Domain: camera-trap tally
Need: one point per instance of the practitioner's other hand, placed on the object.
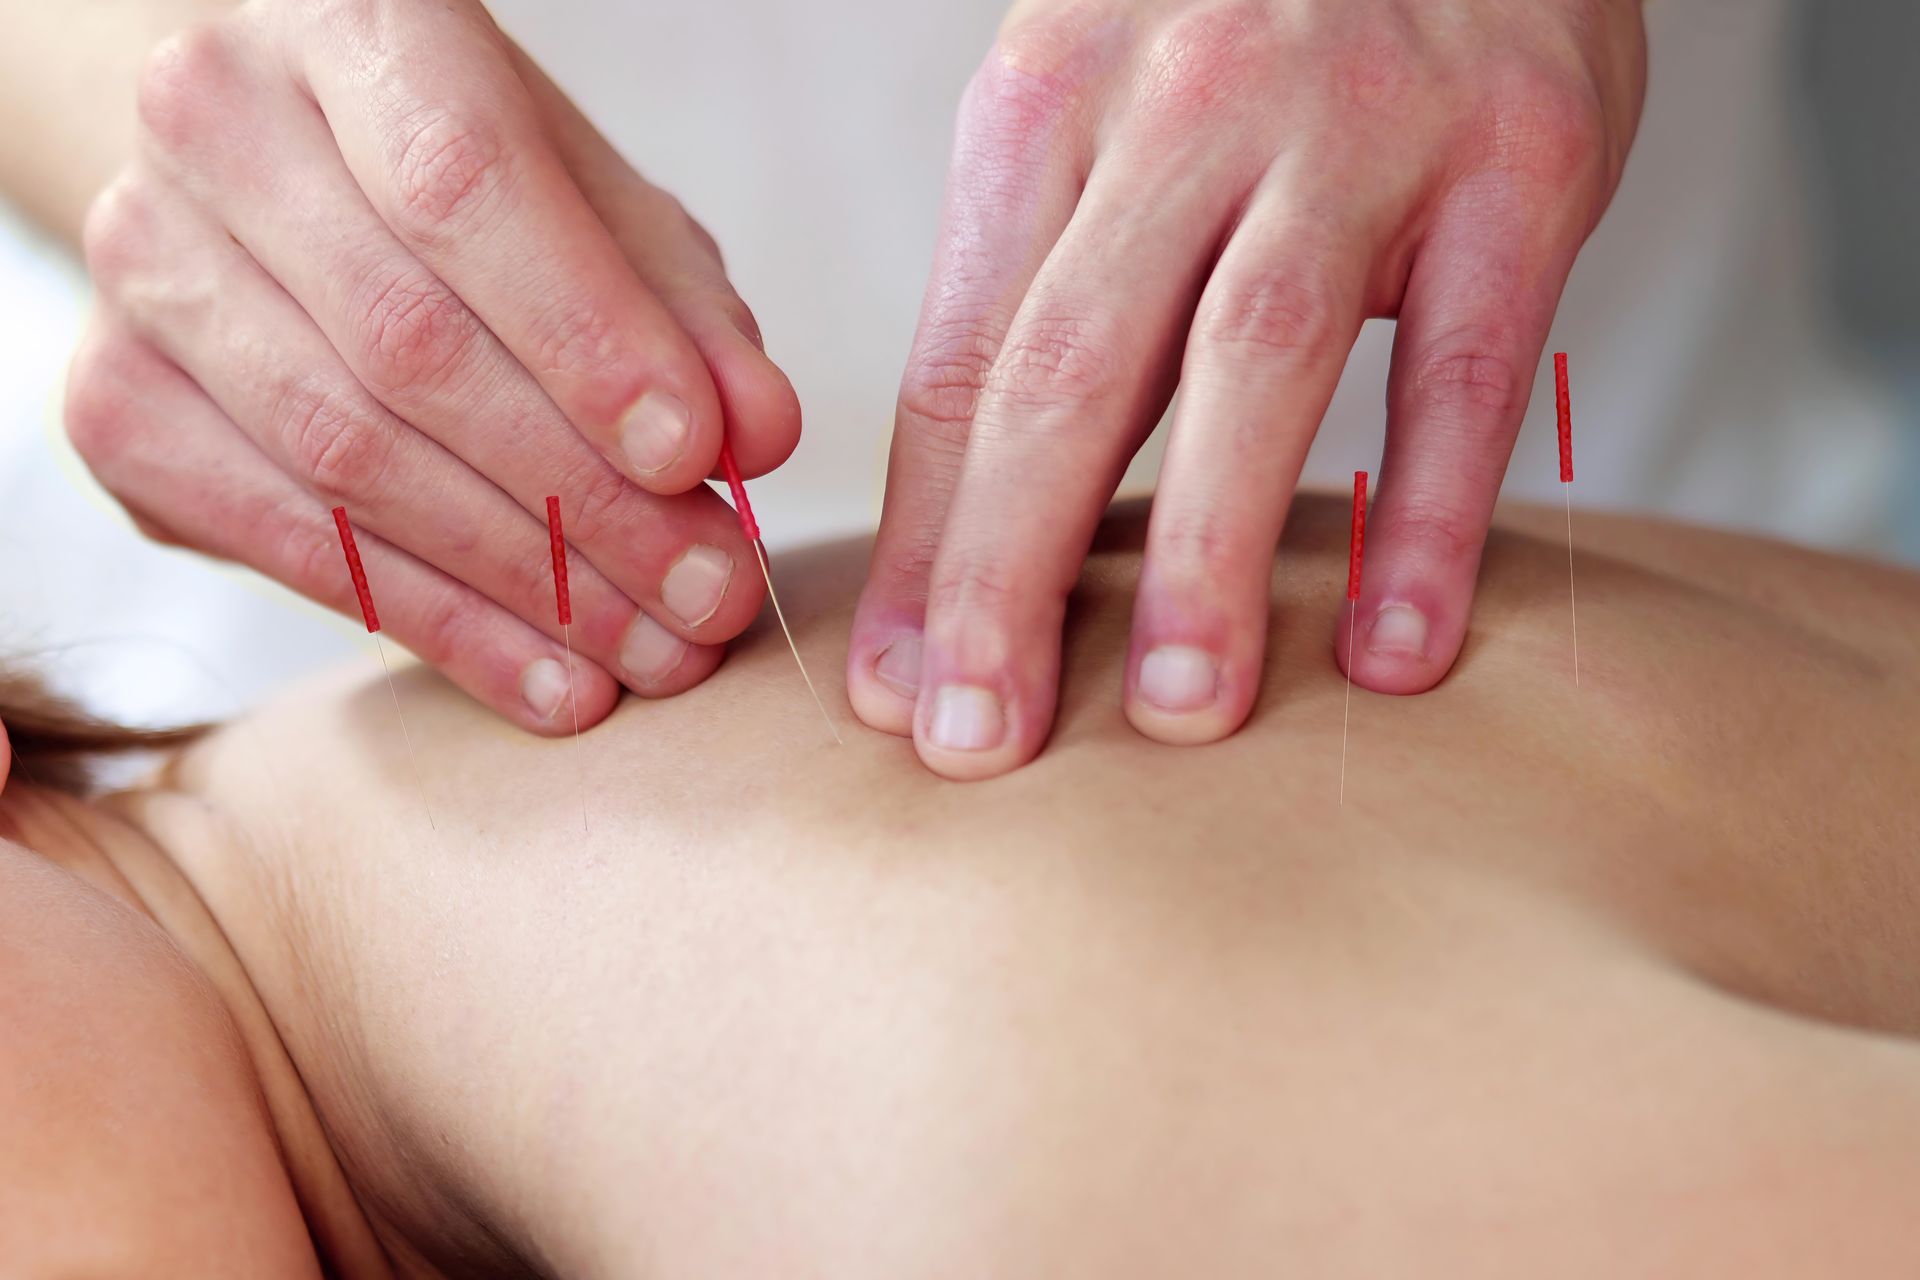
(1217, 193)
(369, 255)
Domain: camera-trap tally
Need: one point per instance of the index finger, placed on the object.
(445, 140)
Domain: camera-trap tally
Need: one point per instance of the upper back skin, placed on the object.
(1616, 978)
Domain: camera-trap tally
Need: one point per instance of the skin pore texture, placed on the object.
(1615, 980)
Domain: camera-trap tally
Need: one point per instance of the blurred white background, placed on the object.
(1739, 343)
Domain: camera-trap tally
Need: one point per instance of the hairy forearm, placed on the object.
(68, 73)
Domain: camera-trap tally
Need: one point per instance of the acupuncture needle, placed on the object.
(744, 509)
(372, 619)
(563, 601)
(1356, 544)
(1563, 403)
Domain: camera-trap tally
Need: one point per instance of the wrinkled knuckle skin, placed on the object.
(1056, 360)
(1275, 311)
(951, 365)
(1432, 531)
(602, 506)
(447, 171)
(414, 335)
(187, 89)
(339, 448)
(582, 344)
(1195, 540)
(1470, 384)
(904, 574)
(974, 587)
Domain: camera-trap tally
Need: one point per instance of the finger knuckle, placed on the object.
(1283, 310)
(185, 88)
(308, 547)
(1056, 358)
(603, 507)
(98, 410)
(1467, 381)
(450, 627)
(581, 344)
(904, 570)
(1545, 127)
(1430, 527)
(578, 339)
(1013, 107)
(448, 170)
(1203, 60)
(974, 586)
(342, 449)
(118, 234)
(1195, 536)
(952, 362)
(414, 334)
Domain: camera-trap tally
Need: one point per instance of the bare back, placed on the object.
(1567, 956)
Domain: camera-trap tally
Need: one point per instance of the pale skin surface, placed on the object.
(364, 252)
(1608, 981)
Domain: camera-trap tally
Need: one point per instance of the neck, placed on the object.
(106, 845)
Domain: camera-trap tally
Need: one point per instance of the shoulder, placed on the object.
(133, 1141)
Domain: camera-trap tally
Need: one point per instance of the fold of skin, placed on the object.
(1605, 980)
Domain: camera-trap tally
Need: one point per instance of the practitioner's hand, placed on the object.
(370, 256)
(1218, 192)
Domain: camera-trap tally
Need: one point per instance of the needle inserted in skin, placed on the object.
(412, 760)
(372, 618)
(563, 601)
(1354, 549)
(744, 510)
(760, 552)
(1563, 403)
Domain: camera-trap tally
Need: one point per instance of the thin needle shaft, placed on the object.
(1353, 625)
(760, 552)
(574, 702)
(401, 716)
(1573, 603)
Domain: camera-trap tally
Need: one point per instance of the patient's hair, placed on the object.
(58, 745)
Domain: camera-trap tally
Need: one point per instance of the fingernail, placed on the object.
(697, 583)
(749, 328)
(898, 666)
(651, 653)
(1398, 628)
(1178, 677)
(967, 719)
(543, 686)
(654, 432)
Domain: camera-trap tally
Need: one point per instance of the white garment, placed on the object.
(812, 139)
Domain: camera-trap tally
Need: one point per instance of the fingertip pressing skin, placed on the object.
(1181, 695)
(1397, 647)
(883, 674)
(988, 688)
(968, 732)
(549, 695)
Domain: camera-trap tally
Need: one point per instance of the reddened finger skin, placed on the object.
(1263, 356)
(1473, 327)
(159, 443)
(449, 146)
